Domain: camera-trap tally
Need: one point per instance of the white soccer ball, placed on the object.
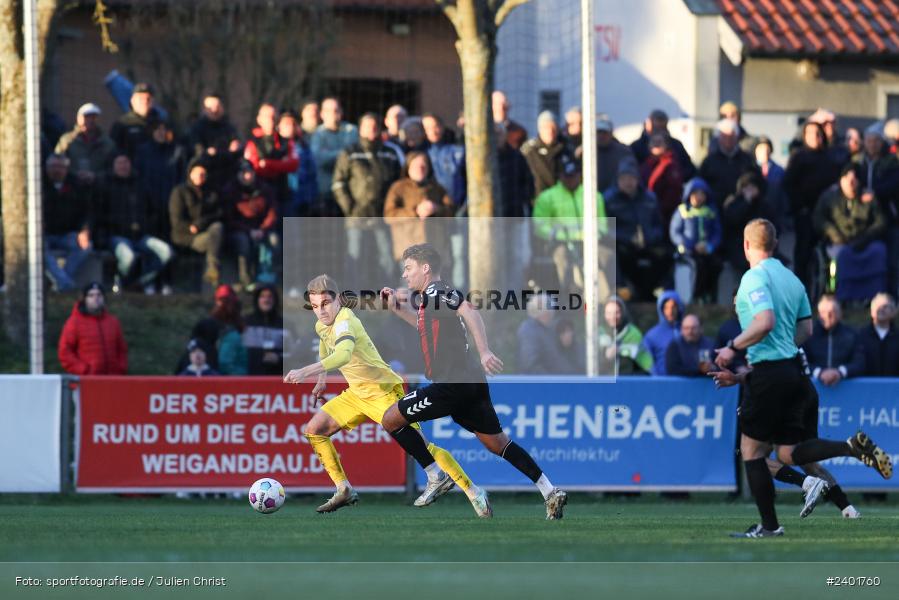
(266, 495)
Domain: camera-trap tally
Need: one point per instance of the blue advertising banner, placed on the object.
(637, 434)
(871, 405)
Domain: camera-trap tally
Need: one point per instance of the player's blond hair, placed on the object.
(761, 235)
(323, 284)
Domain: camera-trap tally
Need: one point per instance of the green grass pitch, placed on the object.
(635, 534)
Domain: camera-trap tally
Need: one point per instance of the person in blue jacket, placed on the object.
(656, 340)
(695, 231)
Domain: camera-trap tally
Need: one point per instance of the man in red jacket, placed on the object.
(92, 342)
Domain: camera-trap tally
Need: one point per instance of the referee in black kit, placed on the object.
(775, 316)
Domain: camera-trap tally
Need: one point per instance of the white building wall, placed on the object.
(648, 56)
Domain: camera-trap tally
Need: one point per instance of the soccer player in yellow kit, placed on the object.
(373, 387)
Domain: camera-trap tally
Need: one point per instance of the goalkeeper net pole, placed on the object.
(33, 178)
(588, 104)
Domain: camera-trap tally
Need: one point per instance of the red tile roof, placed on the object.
(815, 27)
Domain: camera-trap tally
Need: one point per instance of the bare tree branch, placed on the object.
(505, 8)
(449, 9)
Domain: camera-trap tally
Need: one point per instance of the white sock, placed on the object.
(545, 487)
(472, 492)
(344, 485)
(433, 471)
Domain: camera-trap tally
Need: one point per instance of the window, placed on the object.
(551, 100)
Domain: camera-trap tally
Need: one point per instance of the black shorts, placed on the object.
(810, 411)
(468, 404)
(775, 405)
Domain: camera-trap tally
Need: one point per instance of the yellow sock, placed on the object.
(327, 453)
(446, 462)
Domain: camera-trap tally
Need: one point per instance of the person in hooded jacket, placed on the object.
(91, 342)
(695, 231)
(671, 311)
(268, 342)
(621, 349)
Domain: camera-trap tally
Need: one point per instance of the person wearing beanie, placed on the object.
(544, 153)
(252, 218)
(91, 342)
(197, 350)
(609, 153)
(134, 127)
(196, 217)
(641, 243)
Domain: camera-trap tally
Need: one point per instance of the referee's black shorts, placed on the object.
(468, 404)
(777, 404)
(810, 411)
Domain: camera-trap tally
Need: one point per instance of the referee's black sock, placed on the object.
(762, 487)
(414, 445)
(522, 461)
(789, 475)
(837, 496)
(817, 449)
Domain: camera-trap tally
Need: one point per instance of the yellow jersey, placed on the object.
(366, 372)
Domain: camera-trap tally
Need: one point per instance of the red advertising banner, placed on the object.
(165, 434)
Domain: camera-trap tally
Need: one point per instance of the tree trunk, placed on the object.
(12, 166)
(13, 189)
(476, 23)
(477, 56)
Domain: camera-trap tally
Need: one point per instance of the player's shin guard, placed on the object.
(414, 445)
(762, 487)
(327, 453)
(449, 465)
(814, 450)
(522, 461)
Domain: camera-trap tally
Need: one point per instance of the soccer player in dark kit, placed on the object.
(445, 322)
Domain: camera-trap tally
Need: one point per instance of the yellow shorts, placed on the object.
(349, 410)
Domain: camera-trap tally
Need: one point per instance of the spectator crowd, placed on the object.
(146, 197)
